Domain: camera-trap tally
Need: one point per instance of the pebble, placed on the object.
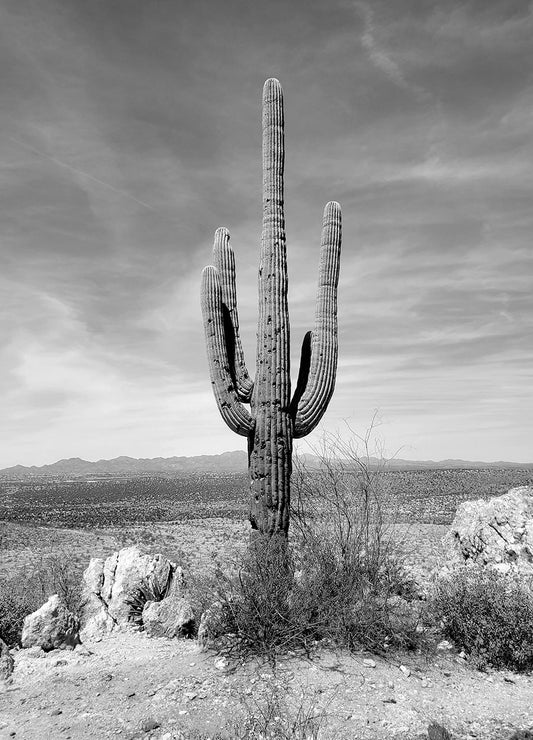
(56, 712)
(405, 670)
(147, 725)
(445, 645)
(369, 663)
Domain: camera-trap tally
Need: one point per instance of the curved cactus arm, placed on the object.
(233, 412)
(322, 363)
(224, 259)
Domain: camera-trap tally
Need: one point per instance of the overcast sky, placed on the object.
(130, 130)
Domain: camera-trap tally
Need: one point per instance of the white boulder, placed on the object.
(51, 627)
(497, 532)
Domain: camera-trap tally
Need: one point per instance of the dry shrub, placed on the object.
(340, 581)
(489, 615)
(351, 568)
(272, 715)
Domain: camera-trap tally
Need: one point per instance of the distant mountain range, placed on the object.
(227, 462)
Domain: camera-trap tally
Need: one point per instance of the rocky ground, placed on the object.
(128, 685)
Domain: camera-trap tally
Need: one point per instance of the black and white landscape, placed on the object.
(369, 576)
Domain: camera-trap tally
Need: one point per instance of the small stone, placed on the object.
(147, 725)
(438, 732)
(390, 684)
(34, 652)
(369, 663)
(221, 664)
(390, 700)
(445, 645)
(405, 670)
(56, 712)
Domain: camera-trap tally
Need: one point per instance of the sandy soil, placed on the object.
(131, 686)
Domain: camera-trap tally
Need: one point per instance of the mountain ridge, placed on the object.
(227, 462)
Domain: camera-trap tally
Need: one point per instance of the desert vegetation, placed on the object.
(488, 614)
(358, 573)
(423, 496)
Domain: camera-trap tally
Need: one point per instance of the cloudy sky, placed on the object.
(130, 130)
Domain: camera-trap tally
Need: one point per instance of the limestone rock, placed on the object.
(51, 627)
(116, 589)
(497, 532)
(6, 661)
(212, 624)
(171, 617)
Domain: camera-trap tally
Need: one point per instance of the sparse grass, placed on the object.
(489, 615)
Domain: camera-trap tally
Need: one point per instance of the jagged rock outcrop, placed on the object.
(497, 532)
(116, 590)
(51, 627)
(171, 617)
(6, 661)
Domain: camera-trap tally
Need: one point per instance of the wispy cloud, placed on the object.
(77, 171)
(381, 57)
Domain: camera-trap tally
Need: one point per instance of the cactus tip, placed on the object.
(332, 208)
(271, 88)
(222, 233)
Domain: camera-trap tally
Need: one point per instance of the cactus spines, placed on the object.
(274, 419)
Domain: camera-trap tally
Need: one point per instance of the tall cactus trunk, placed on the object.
(270, 444)
(274, 419)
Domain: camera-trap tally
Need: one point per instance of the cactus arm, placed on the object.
(231, 409)
(309, 408)
(225, 263)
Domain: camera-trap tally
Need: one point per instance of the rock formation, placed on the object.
(117, 589)
(51, 627)
(497, 532)
(171, 617)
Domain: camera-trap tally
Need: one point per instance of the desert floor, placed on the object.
(129, 685)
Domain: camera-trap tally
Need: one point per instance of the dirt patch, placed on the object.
(129, 686)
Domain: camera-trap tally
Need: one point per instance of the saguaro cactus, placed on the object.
(274, 418)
